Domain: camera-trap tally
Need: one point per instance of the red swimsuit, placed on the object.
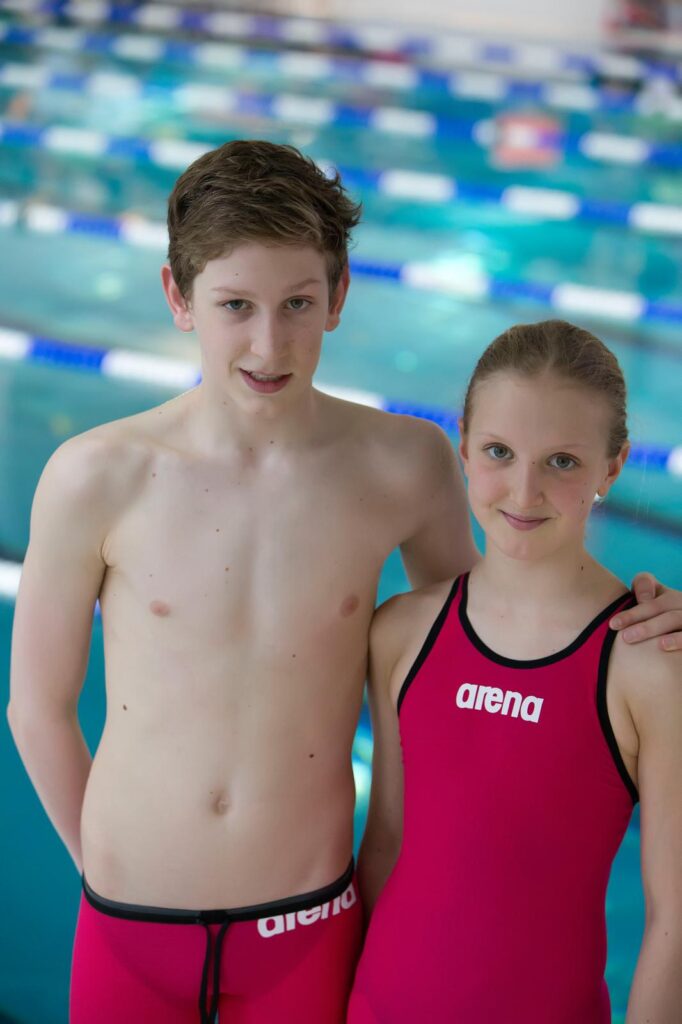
(516, 800)
(291, 960)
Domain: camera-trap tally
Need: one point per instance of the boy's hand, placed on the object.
(657, 613)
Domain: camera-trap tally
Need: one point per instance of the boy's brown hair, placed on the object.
(255, 191)
(558, 347)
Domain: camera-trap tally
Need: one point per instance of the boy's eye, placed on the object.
(299, 303)
(498, 452)
(236, 305)
(562, 461)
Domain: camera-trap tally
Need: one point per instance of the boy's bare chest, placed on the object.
(224, 563)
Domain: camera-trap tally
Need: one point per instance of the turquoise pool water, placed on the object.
(406, 345)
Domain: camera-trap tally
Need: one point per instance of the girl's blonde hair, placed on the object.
(564, 349)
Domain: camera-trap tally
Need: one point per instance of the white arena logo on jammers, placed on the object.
(269, 926)
(494, 701)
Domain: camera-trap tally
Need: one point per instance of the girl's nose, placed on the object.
(527, 487)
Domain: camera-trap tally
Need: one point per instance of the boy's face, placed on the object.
(260, 313)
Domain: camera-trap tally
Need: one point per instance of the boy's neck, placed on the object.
(219, 425)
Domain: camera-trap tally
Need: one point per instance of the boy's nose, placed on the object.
(267, 339)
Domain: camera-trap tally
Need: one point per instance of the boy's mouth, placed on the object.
(265, 383)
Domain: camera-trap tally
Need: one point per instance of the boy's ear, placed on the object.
(614, 469)
(182, 317)
(337, 300)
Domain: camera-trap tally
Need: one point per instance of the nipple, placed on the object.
(349, 605)
(159, 608)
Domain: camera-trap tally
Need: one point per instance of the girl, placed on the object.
(527, 733)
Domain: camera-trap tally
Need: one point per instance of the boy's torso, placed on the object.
(235, 606)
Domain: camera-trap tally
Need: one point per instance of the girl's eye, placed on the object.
(298, 303)
(236, 305)
(562, 462)
(498, 452)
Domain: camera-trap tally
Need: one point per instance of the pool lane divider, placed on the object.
(446, 47)
(474, 85)
(319, 112)
(442, 276)
(179, 375)
(396, 183)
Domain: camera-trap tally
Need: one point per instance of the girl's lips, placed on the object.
(522, 524)
(265, 387)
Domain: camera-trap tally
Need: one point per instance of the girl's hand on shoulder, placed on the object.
(658, 613)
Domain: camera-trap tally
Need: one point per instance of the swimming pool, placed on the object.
(409, 345)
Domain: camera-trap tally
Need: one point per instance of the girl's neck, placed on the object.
(531, 609)
(569, 579)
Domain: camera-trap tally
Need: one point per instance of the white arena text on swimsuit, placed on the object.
(270, 926)
(492, 700)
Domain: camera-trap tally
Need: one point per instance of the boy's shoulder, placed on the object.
(106, 457)
(418, 442)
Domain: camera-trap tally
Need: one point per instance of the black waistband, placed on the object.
(168, 915)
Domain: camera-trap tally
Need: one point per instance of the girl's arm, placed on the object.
(655, 703)
(383, 833)
(398, 632)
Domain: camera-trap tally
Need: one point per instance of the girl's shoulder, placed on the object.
(400, 626)
(408, 608)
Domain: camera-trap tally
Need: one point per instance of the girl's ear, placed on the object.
(615, 466)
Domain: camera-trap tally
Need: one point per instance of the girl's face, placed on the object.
(535, 456)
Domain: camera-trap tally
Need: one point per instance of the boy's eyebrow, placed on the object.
(290, 288)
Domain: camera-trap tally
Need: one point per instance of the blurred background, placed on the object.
(515, 161)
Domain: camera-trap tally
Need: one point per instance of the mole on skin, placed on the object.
(349, 605)
(159, 608)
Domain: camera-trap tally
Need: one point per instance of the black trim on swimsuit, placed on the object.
(169, 915)
(603, 711)
(428, 643)
(549, 659)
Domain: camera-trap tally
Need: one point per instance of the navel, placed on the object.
(220, 803)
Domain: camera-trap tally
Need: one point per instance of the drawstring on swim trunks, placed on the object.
(208, 1010)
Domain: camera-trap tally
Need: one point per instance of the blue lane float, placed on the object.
(439, 275)
(175, 374)
(447, 48)
(398, 184)
(312, 111)
(486, 86)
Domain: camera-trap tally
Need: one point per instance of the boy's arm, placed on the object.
(442, 547)
(658, 613)
(655, 702)
(62, 575)
(383, 833)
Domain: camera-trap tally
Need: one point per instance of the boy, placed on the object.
(234, 537)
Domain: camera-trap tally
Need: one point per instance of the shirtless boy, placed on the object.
(234, 537)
